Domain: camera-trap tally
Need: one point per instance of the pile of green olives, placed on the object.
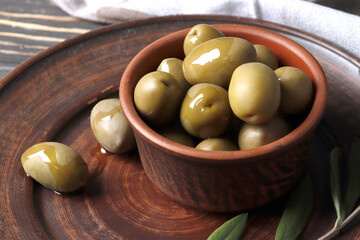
(224, 85)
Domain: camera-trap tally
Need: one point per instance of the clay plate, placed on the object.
(49, 97)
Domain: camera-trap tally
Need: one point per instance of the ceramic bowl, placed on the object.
(224, 181)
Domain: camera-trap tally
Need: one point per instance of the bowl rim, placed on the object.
(279, 146)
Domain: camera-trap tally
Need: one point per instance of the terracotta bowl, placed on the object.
(224, 181)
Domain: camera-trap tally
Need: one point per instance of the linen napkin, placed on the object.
(340, 28)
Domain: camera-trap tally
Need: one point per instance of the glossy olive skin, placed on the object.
(256, 135)
(55, 166)
(205, 111)
(157, 97)
(110, 126)
(215, 60)
(254, 93)
(217, 144)
(199, 34)
(174, 67)
(266, 56)
(296, 90)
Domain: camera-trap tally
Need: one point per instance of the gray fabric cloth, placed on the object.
(339, 27)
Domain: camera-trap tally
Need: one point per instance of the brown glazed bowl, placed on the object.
(224, 181)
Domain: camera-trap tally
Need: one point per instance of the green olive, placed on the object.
(217, 144)
(256, 135)
(296, 90)
(174, 67)
(205, 111)
(157, 97)
(110, 126)
(199, 34)
(176, 133)
(254, 92)
(55, 166)
(215, 60)
(266, 56)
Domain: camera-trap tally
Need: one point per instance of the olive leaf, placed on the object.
(335, 183)
(352, 188)
(297, 211)
(230, 230)
(344, 201)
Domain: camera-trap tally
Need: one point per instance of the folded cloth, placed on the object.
(340, 28)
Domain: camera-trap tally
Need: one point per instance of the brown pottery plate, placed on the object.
(49, 98)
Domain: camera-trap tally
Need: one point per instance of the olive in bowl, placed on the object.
(205, 110)
(224, 181)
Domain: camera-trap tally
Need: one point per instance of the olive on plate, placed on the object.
(110, 126)
(55, 166)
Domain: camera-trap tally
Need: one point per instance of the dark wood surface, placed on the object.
(49, 99)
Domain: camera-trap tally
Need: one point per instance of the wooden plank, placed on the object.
(5, 69)
(38, 16)
(27, 28)
(52, 20)
(41, 27)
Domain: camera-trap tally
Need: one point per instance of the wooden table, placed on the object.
(29, 27)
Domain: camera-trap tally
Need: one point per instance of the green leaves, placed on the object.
(230, 230)
(345, 189)
(352, 180)
(297, 211)
(346, 198)
(294, 219)
(335, 183)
